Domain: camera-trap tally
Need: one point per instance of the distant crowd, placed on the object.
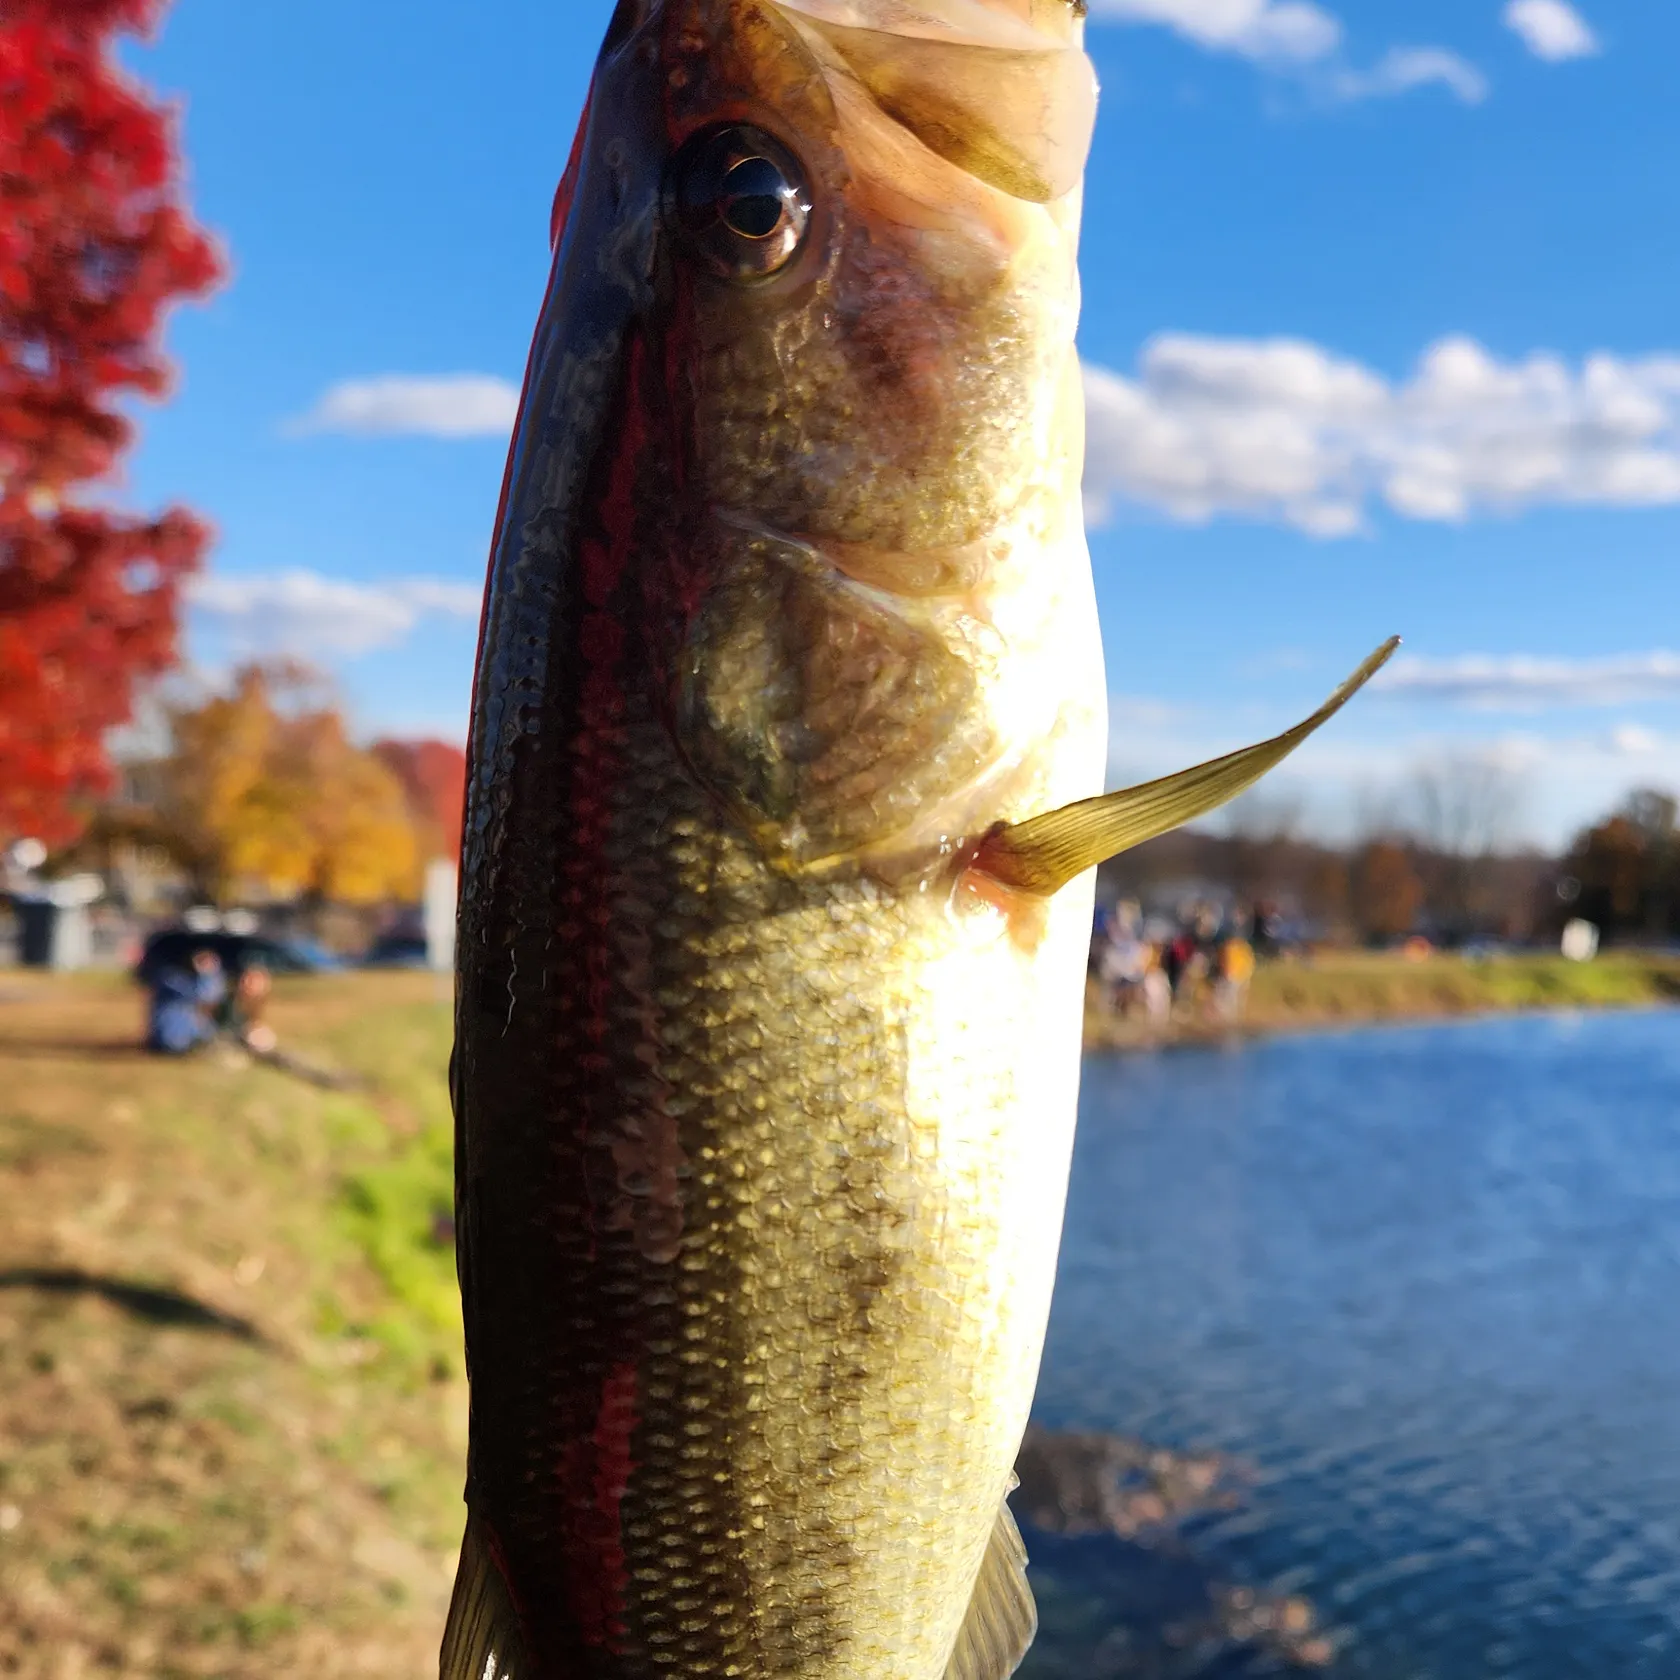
(1197, 965)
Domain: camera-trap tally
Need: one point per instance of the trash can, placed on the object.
(52, 935)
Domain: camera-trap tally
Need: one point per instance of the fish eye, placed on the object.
(741, 200)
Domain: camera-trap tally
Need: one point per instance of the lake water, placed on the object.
(1426, 1283)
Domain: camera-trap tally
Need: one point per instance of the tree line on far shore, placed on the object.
(1433, 859)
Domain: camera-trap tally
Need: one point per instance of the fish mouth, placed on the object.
(1000, 88)
(1024, 25)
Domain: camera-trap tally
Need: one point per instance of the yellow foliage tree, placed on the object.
(264, 790)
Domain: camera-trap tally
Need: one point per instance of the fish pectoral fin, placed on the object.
(482, 1640)
(1002, 1617)
(1044, 853)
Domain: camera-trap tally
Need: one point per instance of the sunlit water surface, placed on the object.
(1427, 1282)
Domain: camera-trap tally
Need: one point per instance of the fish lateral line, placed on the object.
(1043, 854)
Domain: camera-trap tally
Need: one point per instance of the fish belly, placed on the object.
(762, 1245)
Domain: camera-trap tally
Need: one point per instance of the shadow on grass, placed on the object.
(133, 1050)
(78, 1049)
(164, 1307)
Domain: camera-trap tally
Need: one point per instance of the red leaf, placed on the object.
(96, 244)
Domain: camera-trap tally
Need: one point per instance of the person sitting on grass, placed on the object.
(182, 1013)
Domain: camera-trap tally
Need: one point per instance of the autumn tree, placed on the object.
(95, 244)
(1386, 892)
(264, 794)
(434, 777)
(1626, 869)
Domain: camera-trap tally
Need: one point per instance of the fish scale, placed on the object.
(824, 1288)
(787, 740)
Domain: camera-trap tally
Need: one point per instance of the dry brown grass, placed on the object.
(230, 1443)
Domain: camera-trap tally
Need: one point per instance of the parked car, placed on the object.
(397, 950)
(175, 948)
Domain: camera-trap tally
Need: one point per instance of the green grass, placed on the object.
(1353, 987)
(1380, 986)
(396, 1204)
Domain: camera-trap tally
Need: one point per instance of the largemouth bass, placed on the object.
(787, 742)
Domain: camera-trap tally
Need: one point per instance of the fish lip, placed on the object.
(917, 19)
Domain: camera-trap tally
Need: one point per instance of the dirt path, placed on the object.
(231, 1415)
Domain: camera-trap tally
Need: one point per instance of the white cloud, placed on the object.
(1282, 31)
(1295, 35)
(1523, 684)
(1283, 430)
(456, 406)
(304, 613)
(1564, 779)
(1632, 740)
(1403, 69)
(1551, 29)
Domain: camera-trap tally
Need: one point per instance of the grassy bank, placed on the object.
(1354, 987)
(231, 1409)
(232, 1415)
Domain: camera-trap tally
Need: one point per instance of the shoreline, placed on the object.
(1356, 989)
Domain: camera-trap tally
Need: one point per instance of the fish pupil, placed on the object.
(754, 198)
(740, 201)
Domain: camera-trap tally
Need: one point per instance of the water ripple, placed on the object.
(1427, 1284)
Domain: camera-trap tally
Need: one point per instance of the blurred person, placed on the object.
(1193, 980)
(246, 1009)
(1266, 933)
(1235, 973)
(1205, 925)
(183, 1005)
(174, 1022)
(1187, 957)
(210, 984)
(1157, 992)
(1101, 918)
(1123, 958)
(1199, 950)
(1175, 957)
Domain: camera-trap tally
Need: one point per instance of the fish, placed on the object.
(785, 787)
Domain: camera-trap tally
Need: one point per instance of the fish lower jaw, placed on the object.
(1018, 25)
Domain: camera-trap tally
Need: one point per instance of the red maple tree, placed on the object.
(95, 243)
(434, 777)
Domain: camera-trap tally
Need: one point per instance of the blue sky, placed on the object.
(1382, 323)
